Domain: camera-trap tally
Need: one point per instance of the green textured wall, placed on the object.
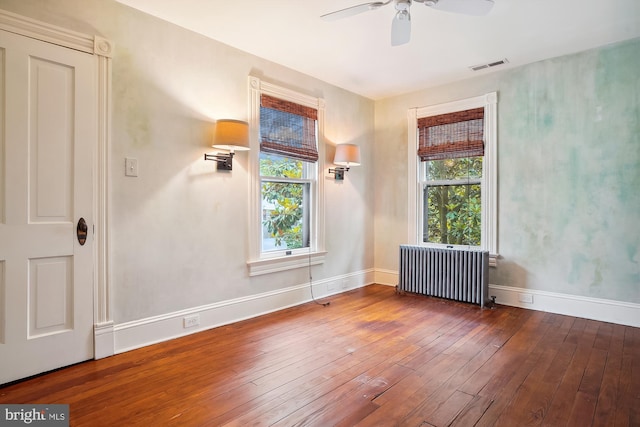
(569, 174)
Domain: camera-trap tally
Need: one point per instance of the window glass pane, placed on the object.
(280, 167)
(452, 214)
(467, 167)
(285, 211)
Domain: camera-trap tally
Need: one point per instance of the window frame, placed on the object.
(417, 177)
(260, 262)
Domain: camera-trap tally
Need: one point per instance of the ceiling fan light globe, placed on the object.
(403, 5)
(401, 28)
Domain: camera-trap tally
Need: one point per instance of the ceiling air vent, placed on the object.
(489, 65)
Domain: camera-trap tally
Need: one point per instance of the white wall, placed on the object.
(179, 230)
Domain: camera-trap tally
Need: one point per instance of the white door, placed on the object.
(47, 135)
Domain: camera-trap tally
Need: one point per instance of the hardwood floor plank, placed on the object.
(606, 406)
(629, 398)
(603, 337)
(357, 414)
(397, 402)
(471, 413)
(523, 352)
(581, 414)
(449, 410)
(502, 360)
(513, 397)
(576, 331)
(566, 398)
(592, 377)
(532, 400)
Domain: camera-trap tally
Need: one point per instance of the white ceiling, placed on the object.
(355, 53)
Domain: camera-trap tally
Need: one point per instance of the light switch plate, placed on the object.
(131, 167)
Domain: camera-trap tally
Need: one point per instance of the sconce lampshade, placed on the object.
(347, 155)
(231, 135)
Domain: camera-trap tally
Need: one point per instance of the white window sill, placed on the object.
(289, 262)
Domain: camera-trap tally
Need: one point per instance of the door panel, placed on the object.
(48, 115)
(50, 296)
(50, 141)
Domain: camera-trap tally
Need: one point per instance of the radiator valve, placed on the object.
(493, 301)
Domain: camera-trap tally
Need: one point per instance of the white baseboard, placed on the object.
(139, 333)
(386, 277)
(113, 339)
(103, 340)
(619, 312)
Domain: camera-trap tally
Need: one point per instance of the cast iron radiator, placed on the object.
(460, 275)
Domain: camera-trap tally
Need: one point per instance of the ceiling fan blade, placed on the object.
(353, 10)
(466, 7)
(401, 28)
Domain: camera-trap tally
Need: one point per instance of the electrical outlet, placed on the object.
(345, 283)
(191, 321)
(525, 298)
(331, 286)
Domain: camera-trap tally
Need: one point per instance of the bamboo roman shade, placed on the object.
(452, 135)
(288, 129)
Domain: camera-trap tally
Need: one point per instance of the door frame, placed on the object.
(102, 50)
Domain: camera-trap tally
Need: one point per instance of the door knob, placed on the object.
(81, 231)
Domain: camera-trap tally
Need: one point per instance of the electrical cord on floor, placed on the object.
(324, 304)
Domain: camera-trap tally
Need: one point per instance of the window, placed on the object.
(288, 156)
(453, 158)
(451, 197)
(286, 228)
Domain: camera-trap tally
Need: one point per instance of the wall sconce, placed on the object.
(232, 135)
(346, 155)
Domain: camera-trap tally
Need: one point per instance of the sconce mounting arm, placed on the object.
(225, 161)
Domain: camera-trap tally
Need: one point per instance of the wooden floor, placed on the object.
(370, 358)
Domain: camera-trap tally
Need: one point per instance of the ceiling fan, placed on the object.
(401, 24)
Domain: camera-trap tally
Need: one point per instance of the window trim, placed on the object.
(489, 174)
(264, 263)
